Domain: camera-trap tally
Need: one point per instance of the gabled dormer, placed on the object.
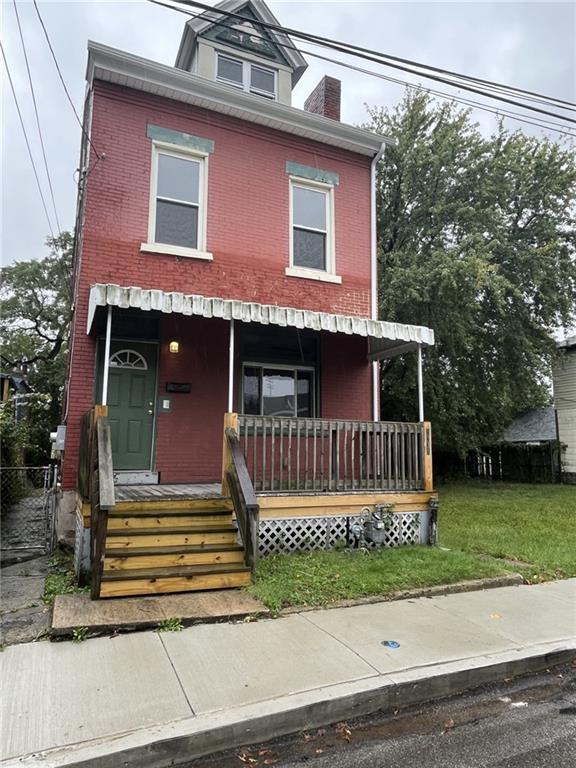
(241, 54)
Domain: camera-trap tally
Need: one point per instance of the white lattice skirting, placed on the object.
(299, 534)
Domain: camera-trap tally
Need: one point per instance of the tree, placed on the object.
(476, 239)
(35, 314)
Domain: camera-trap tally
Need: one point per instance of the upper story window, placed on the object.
(247, 75)
(177, 199)
(312, 231)
(177, 218)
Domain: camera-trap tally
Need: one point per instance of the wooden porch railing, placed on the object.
(236, 483)
(302, 455)
(96, 484)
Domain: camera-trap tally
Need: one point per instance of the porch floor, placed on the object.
(168, 492)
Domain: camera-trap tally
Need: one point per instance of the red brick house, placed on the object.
(226, 264)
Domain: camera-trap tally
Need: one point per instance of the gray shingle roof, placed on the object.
(534, 426)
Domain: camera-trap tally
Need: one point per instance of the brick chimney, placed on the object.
(325, 98)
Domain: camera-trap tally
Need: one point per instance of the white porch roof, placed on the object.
(385, 339)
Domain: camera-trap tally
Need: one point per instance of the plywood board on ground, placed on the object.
(71, 611)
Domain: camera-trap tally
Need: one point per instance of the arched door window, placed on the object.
(129, 359)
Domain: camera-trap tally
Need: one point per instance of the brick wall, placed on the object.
(345, 377)
(248, 233)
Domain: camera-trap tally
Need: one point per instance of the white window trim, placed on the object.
(160, 147)
(293, 270)
(281, 367)
(247, 64)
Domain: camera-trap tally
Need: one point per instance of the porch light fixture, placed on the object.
(174, 347)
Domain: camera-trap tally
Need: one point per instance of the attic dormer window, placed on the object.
(250, 77)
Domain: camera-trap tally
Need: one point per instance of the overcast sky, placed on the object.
(526, 44)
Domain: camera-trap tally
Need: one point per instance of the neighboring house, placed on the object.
(535, 427)
(529, 451)
(564, 383)
(13, 388)
(226, 264)
(13, 385)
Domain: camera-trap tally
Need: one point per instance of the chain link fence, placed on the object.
(27, 499)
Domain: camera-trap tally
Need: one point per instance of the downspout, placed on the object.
(374, 278)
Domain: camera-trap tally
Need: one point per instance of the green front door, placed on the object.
(131, 403)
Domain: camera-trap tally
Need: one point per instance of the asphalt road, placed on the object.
(527, 723)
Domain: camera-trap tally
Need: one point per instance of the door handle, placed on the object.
(150, 411)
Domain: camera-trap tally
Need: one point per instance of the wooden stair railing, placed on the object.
(101, 498)
(96, 484)
(237, 484)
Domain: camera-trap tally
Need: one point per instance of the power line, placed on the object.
(37, 117)
(26, 140)
(80, 123)
(383, 59)
(537, 122)
(351, 47)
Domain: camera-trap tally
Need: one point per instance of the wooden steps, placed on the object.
(154, 581)
(178, 545)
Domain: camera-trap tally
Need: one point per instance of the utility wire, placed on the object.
(26, 140)
(382, 59)
(80, 123)
(297, 33)
(51, 188)
(550, 125)
(537, 122)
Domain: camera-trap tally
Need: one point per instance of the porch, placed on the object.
(287, 485)
(303, 460)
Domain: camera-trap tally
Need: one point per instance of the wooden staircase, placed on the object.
(157, 546)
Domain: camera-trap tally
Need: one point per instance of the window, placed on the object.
(272, 390)
(253, 78)
(312, 236)
(310, 223)
(177, 202)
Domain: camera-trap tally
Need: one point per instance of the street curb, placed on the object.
(474, 585)
(184, 740)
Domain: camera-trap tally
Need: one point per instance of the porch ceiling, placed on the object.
(385, 339)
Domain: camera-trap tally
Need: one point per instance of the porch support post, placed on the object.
(231, 368)
(420, 386)
(376, 390)
(104, 400)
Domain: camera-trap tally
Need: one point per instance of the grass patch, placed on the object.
(170, 625)
(530, 523)
(321, 578)
(62, 580)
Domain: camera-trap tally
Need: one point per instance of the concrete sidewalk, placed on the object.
(140, 699)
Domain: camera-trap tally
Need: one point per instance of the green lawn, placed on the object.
(320, 578)
(531, 524)
(534, 524)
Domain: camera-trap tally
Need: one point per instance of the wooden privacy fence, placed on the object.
(300, 455)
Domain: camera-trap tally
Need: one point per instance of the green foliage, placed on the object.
(61, 584)
(79, 634)
(321, 578)
(35, 313)
(530, 523)
(25, 425)
(170, 625)
(477, 240)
